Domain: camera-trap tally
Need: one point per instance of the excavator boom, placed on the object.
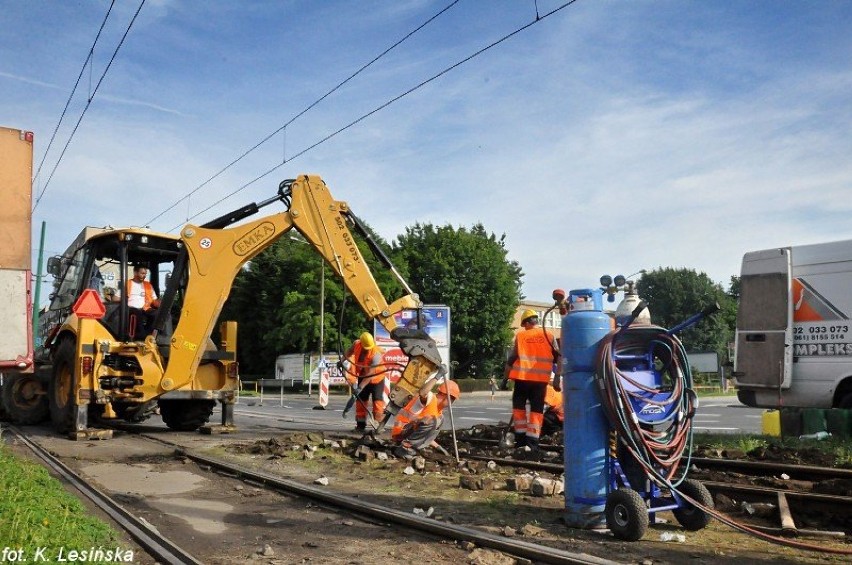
(215, 252)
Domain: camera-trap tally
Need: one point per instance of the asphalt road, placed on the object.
(722, 414)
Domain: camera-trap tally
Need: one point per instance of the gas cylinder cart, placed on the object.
(645, 385)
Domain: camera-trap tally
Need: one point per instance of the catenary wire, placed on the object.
(302, 113)
(379, 108)
(88, 103)
(73, 90)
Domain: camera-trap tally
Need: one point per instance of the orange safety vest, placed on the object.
(149, 293)
(362, 361)
(408, 414)
(535, 356)
(553, 398)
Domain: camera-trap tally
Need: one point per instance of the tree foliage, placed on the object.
(276, 302)
(673, 295)
(467, 270)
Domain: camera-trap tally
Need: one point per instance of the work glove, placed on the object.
(504, 384)
(557, 383)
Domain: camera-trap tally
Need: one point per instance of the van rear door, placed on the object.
(763, 357)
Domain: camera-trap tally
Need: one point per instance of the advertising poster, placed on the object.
(436, 322)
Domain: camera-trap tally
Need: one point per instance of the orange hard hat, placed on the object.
(449, 388)
(367, 341)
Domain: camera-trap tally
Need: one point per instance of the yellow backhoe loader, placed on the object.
(106, 366)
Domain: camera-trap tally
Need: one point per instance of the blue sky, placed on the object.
(608, 137)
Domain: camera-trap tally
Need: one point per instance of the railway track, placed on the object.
(406, 521)
(152, 541)
(164, 550)
(789, 501)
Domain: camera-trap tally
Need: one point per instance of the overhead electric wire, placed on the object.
(73, 90)
(379, 108)
(303, 112)
(88, 103)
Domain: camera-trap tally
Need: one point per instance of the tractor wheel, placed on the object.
(689, 516)
(24, 399)
(62, 390)
(626, 514)
(185, 414)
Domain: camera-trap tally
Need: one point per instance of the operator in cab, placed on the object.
(142, 301)
(530, 364)
(362, 370)
(416, 426)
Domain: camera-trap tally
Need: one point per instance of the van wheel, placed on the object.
(62, 390)
(845, 401)
(24, 399)
(185, 414)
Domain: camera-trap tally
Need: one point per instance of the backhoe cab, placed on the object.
(106, 367)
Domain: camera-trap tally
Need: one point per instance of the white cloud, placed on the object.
(607, 138)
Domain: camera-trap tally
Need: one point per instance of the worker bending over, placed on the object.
(534, 354)
(417, 425)
(362, 370)
(554, 412)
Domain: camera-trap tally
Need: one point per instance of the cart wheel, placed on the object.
(690, 517)
(626, 514)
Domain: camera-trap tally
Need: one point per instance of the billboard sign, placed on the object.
(435, 320)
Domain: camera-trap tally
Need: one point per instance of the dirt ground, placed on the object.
(222, 520)
(476, 493)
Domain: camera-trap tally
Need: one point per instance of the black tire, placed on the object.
(689, 516)
(845, 400)
(61, 391)
(185, 414)
(24, 399)
(626, 514)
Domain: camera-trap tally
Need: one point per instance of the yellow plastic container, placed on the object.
(772, 423)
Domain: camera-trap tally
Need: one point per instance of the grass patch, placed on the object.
(37, 512)
(843, 455)
(834, 451)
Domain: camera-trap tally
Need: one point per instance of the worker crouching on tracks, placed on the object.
(554, 412)
(416, 426)
(530, 365)
(362, 369)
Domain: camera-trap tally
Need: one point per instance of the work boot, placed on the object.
(520, 440)
(360, 427)
(403, 452)
(532, 443)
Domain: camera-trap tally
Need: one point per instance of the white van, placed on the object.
(794, 327)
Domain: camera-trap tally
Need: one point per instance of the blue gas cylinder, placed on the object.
(585, 424)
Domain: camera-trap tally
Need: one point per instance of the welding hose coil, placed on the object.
(659, 446)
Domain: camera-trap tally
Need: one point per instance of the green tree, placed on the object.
(467, 270)
(673, 295)
(276, 302)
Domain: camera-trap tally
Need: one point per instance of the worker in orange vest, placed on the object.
(534, 354)
(417, 425)
(142, 302)
(362, 370)
(554, 411)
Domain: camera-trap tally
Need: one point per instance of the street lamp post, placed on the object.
(320, 364)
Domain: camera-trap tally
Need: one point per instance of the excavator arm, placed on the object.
(214, 254)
